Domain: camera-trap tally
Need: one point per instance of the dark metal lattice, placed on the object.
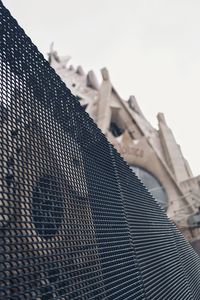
(75, 222)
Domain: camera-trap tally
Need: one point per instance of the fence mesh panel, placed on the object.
(75, 222)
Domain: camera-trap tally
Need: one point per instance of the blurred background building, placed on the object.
(152, 154)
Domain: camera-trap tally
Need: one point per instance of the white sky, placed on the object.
(151, 48)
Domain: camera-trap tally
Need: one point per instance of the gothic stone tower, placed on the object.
(153, 154)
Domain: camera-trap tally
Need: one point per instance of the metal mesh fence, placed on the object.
(75, 222)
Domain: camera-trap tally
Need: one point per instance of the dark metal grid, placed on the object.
(161, 265)
(75, 221)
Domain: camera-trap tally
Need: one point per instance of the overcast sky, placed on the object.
(151, 48)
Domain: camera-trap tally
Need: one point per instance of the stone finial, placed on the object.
(51, 47)
(161, 118)
(52, 54)
(71, 68)
(80, 71)
(132, 102)
(92, 80)
(105, 74)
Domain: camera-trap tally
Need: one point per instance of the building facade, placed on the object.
(152, 154)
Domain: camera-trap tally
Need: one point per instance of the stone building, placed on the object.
(153, 154)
